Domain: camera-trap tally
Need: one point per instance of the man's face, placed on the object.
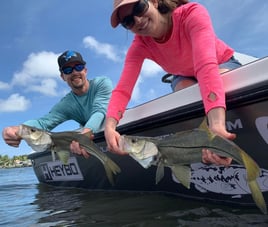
(75, 74)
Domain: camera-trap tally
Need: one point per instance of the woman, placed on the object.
(180, 38)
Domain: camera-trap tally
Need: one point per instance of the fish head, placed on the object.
(139, 147)
(131, 144)
(39, 140)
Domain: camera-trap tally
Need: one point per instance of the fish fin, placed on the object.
(183, 174)
(204, 126)
(160, 172)
(63, 156)
(111, 168)
(252, 168)
(89, 134)
(53, 155)
(257, 196)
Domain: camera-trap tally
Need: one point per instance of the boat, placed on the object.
(247, 116)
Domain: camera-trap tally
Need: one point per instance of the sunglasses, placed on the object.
(139, 9)
(68, 70)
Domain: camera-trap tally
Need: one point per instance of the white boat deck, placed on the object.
(247, 75)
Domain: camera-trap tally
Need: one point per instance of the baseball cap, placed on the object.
(117, 4)
(70, 56)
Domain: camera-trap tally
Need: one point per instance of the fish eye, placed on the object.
(33, 130)
(133, 140)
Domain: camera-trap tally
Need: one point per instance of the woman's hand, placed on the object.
(112, 136)
(216, 118)
(210, 157)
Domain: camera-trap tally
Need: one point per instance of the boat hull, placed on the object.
(247, 116)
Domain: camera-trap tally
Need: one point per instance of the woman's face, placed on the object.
(145, 24)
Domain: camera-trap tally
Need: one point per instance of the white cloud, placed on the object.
(102, 48)
(136, 94)
(46, 87)
(149, 69)
(4, 86)
(39, 73)
(14, 103)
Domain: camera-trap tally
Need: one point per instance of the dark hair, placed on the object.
(166, 6)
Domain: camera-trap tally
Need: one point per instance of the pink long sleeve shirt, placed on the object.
(192, 50)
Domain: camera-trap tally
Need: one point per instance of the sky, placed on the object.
(35, 32)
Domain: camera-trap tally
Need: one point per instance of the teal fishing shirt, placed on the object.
(88, 110)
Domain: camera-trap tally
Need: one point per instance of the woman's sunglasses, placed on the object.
(68, 70)
(139, 9)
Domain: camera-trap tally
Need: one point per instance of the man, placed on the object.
(86, 103)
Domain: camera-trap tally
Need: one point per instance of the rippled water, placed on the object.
(25, 202)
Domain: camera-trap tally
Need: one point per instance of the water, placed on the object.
(25, 202)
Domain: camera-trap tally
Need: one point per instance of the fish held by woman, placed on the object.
(177, 151)
(59, 143)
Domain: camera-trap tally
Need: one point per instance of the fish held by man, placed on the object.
(59, 143)
(177, 151)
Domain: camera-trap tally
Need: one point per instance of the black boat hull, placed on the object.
(247, 116)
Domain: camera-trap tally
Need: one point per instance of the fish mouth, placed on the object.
(121, 143)
(20, 132)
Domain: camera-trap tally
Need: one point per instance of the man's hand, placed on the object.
(77, 149)
(10, 135)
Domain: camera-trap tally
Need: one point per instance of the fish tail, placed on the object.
(109, 165)
(111, 168)
(253, 170)
(257, 196)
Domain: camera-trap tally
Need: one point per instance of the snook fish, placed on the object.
(59, 142)
(181, 149)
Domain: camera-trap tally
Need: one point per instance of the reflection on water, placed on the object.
(26, 203)
(75, 207)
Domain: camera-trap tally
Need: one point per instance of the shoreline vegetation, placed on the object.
(15, 161)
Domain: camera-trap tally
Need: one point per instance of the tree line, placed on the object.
(5, 161)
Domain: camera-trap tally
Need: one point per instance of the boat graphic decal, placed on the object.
(218, 179)
(262, 126)
(57, 171)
